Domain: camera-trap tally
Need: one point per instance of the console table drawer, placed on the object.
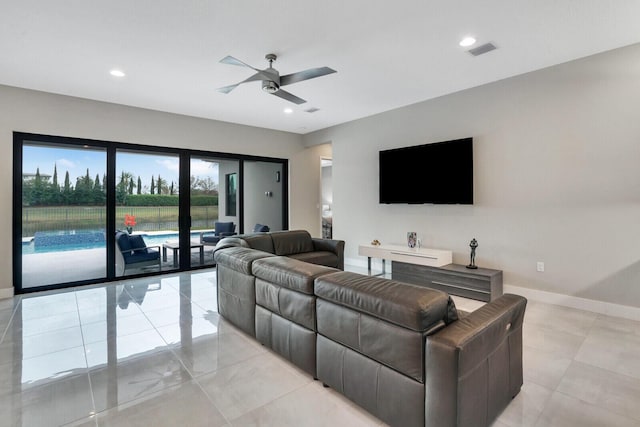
(481, 284)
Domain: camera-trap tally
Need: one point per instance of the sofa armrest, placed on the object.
(229, 242)
(473, 367)
(330, 245)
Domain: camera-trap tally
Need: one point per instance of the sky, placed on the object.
(76, 161)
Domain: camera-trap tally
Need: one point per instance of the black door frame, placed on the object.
(111, 147)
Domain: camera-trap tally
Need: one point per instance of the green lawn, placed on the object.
(148, 218)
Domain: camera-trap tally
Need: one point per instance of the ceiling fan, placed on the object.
(271, 79)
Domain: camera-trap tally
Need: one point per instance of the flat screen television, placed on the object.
(437, 173)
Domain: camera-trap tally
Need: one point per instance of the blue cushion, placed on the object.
(123, 242)
(224, 227)
(260, 228)
(210, 239)
(150, 255)
(137, 244)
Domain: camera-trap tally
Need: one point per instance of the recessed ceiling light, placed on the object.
(288, 111)
(117, 73)
(467, 41)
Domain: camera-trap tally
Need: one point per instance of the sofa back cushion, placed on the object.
(291, 242)
(382, 319)
(238, 258)
(260, 242)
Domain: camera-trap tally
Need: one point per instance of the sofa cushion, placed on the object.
(261, 242)
(410, 306)
(239, 259)
(318, 257)
(291, 242)
(290, 273)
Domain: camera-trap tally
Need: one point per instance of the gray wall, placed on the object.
(260, 177)
(557, 177)
(43, 113)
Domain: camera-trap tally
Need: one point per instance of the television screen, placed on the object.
(438, 173)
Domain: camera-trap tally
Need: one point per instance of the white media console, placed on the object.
(419, 256)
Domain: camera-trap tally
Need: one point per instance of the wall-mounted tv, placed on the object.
(438, 173)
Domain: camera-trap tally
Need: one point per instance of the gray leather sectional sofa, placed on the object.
(297, 244)
(401, 351)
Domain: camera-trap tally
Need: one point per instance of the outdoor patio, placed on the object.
(48, 268)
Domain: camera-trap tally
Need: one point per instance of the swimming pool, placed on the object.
(86, 239)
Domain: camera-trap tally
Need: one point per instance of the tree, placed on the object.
(83, 194)
(153, 186)
(99, 196)
(55, 177)
(67, 191)
(38, 190)
(121, 188)
(171, 189)
(160, 185)
(131, 185)
(204, 185)
(139, 191)
(53, 192)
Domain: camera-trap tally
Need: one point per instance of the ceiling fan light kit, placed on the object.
(271, 79)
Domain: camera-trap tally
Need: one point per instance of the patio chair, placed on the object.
(261, 228)
(133, 253)
(222, 229)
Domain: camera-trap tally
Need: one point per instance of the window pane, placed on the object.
(206, 202)
(63, 214)
(147, 231)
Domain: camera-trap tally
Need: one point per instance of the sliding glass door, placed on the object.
(214, 190)
(88, 211)
(63, 213)
(147, 202)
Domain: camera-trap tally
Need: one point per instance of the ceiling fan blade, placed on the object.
(227, 89)
(289, 97)
(311, 73)
(234, 61)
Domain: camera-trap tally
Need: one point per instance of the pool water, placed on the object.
(91, 239)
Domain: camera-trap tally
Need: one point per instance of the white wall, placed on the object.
(557, 177)
(304, 182)
(43, 113)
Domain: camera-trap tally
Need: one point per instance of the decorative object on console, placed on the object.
(473, 245)
(412, 236)
(375, 242)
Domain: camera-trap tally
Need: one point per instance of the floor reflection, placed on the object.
(92, 349)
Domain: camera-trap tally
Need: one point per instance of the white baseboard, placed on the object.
(6, 293)
(601, 307)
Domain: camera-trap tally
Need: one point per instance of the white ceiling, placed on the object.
(387, 54)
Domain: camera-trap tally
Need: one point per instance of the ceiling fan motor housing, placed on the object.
(272, 85)
(269, 86)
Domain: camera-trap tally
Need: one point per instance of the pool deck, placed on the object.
(68, 266)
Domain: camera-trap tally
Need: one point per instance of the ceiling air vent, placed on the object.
(477, 51)
(311, 110)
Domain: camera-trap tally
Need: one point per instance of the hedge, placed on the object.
(166, 200)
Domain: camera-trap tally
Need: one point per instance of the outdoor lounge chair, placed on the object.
(222, 229)
(133, 253)
(261, 228)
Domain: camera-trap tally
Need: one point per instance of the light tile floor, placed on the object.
(154, 352)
